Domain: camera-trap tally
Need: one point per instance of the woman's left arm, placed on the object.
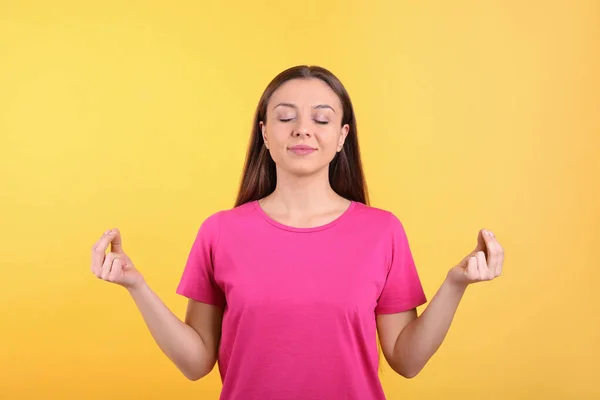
(408, 341)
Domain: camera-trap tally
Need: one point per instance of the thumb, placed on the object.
(116, 245)
(481, 245)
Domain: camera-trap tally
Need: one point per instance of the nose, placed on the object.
(302, 128)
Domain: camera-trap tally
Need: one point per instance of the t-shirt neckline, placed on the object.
(279, 225)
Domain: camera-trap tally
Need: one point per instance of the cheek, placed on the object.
(328, 141)
(276, 137)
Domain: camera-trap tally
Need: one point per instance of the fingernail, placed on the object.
(106, 233)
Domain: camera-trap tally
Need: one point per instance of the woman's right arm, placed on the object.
(191, 345)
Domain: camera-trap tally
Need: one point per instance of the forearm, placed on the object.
(422, 337)
(179, 341)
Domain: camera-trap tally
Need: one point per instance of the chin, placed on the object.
(307, 169)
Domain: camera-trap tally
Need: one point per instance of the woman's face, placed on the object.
(303, 128)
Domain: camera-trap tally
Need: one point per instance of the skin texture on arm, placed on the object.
(207, 321)
(408, 341)
(389, 328)
(191, 345)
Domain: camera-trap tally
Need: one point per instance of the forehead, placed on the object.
(305, 92)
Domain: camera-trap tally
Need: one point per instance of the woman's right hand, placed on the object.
(116, 266)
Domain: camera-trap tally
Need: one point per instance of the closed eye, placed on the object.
(318, 122)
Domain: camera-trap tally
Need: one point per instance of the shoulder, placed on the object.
(210, 230)
(227, 217)
(383, 219)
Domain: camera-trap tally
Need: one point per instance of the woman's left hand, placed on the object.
(482, 264)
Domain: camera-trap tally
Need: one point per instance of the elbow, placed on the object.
(192, 376)
(195, 373)
(409, 374)
(196, 367)
(408, 367)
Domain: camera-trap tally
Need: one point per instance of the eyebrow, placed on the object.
(294, 106)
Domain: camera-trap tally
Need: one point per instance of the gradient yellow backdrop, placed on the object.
(471, 114)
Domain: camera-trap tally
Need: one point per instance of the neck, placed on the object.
(303, 194)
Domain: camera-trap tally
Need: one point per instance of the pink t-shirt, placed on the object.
(300, 303)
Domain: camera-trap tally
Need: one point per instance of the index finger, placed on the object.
(492, 246)
(99, 249)
(116, 245)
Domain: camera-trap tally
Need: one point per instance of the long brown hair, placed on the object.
(346, 175)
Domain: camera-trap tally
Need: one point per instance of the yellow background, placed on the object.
(136, 115)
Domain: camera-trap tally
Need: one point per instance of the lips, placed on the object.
(302, 149)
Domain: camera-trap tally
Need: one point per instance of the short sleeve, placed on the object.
(198, 279)
(402, 290)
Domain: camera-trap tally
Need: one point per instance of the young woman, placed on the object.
(289, 289)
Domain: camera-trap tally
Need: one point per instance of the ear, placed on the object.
(263, 131)
(261, 126)
(343, 135)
